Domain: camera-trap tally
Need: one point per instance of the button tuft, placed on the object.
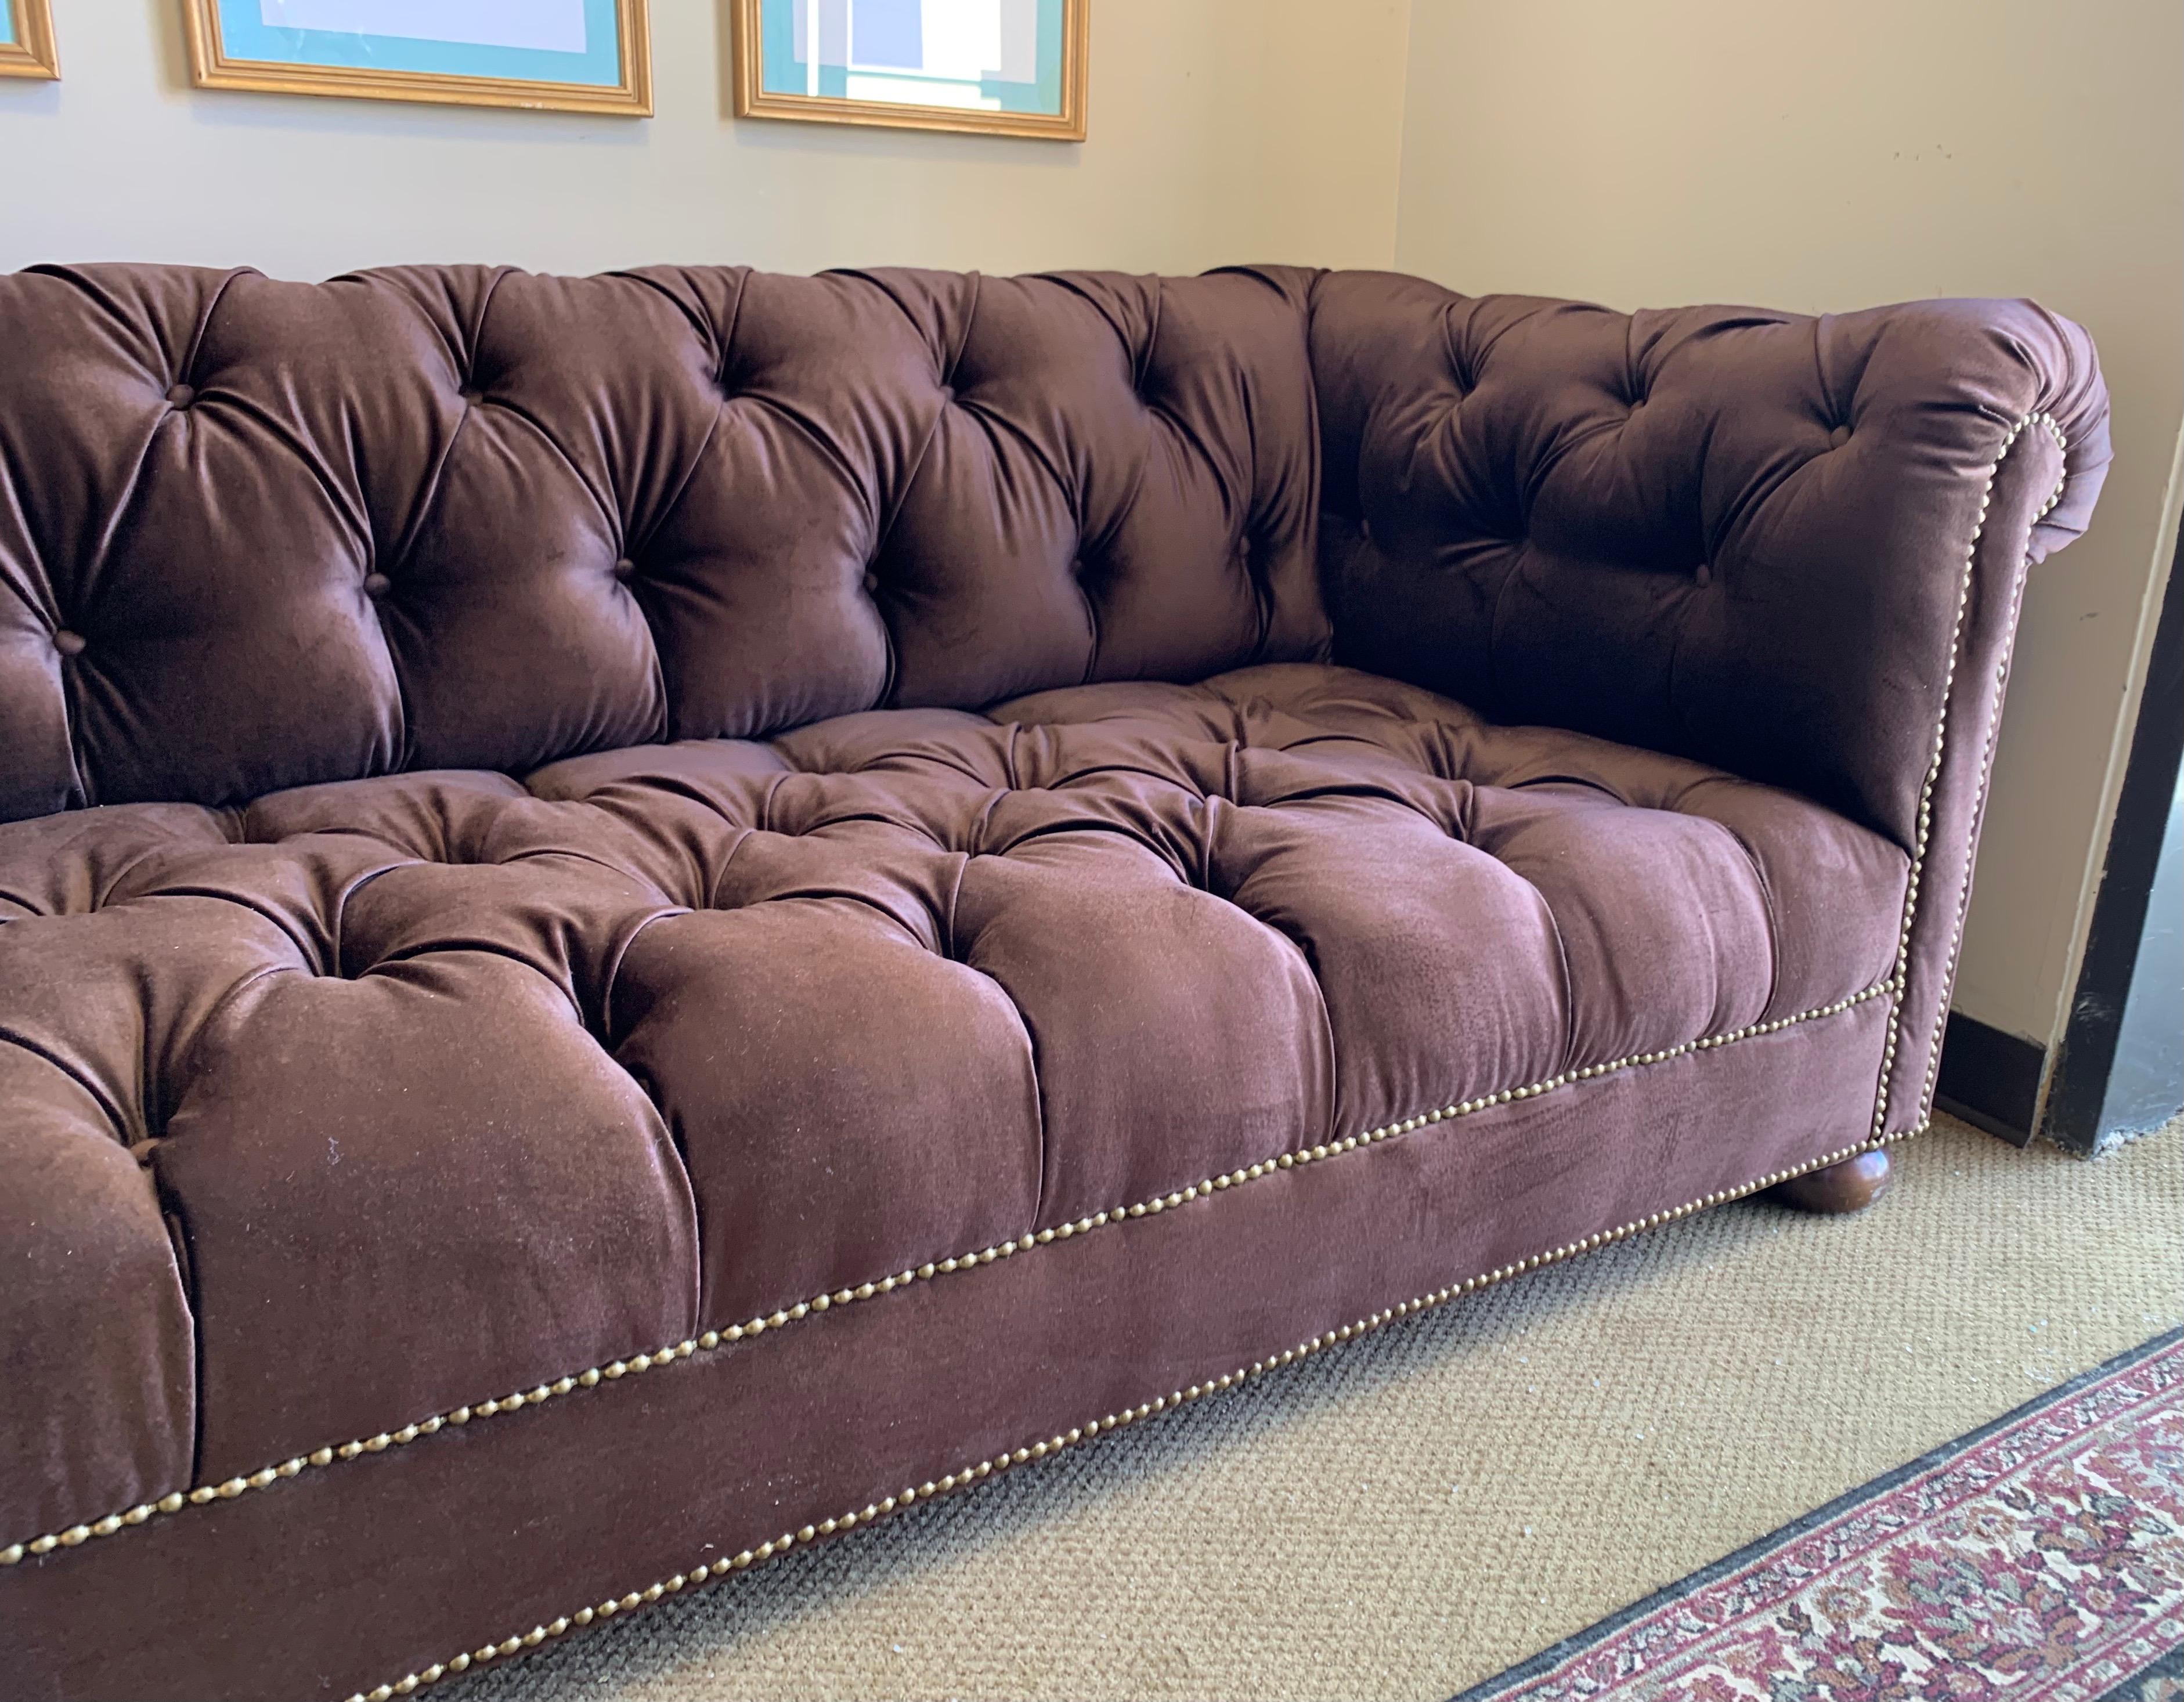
(624, 567)
(1839, 437)
(69, 644)
(872, 585)
(181, 396)
(377, 585)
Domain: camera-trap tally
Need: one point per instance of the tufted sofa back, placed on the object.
(256, 534)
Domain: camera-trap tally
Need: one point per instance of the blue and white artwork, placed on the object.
(517, 40)
(994, 56)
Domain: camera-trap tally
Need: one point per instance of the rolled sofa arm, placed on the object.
(1793, 548)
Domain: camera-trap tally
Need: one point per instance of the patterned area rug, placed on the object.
(2038, 1560)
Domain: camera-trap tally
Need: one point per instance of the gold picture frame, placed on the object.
(216, 63)
(752, 99)
(28, 51)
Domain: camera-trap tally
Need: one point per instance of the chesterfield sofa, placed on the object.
(644, 918)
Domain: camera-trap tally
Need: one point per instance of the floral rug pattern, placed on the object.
(2038, 1560)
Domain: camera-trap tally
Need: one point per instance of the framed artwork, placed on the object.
(26, 40)
(1007, 67)
(553, 55)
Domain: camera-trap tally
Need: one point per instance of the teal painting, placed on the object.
(524, 41)
(981, 55)
(1014, 65)
(26, 40)
(584, 55)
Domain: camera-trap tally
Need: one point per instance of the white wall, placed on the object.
(1221, 130)
(1650, 152)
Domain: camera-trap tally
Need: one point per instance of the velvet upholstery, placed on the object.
(476, 519)
(640, 909)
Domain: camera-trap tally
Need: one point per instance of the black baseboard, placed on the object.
(2079, 1117)
(1990, 1078)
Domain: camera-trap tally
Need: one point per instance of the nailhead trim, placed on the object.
(1986, 774)
(1040, 1449)
(265, 1476)
(1901, 980)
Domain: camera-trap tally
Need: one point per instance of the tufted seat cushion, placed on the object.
(677, 1038)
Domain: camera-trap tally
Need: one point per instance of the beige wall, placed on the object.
(1832, 157)
(1200, 153)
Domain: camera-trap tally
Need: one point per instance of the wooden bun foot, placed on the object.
(1851, 1186)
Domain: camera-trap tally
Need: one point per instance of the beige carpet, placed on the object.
(1413, 1512)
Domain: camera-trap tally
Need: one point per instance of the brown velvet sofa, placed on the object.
(648, 916)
